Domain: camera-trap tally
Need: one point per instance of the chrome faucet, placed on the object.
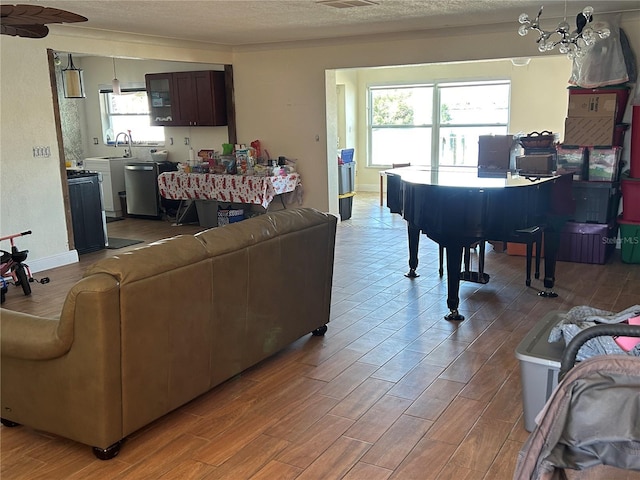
(127, 138)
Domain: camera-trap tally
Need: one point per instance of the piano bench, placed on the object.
(529, 236)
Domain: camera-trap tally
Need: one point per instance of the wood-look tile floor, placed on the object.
(393, 391)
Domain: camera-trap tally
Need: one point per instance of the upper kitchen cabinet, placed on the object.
(187, 99)
(161, 98)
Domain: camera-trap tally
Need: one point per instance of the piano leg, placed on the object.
(454, 260)
(551, 244)
(413, 234)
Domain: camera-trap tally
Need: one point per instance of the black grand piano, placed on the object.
(456, 207)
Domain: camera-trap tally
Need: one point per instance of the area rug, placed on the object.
(115, 243)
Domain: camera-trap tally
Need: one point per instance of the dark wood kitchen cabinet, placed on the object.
(187, 99)
(161, 98)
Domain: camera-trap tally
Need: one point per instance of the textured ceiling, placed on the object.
(246, 22)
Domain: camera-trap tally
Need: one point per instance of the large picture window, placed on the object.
(128, 111)
(437, 124)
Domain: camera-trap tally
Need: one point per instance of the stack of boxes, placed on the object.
(630, 219)
(591, 152)
(539, 154)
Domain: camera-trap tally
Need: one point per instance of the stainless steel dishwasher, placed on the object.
(141, 186)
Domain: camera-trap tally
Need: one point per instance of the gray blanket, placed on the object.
(579, 318)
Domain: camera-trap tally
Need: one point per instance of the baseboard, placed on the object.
(53, 261)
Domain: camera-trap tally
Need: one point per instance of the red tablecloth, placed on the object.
(226, 188)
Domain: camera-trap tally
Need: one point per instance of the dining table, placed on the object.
(250, 189)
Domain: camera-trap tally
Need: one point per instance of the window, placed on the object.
(435, 124)
(128, 111)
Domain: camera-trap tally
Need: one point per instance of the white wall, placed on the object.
(31, 189)
(281, 94)
(538, 96)
(99, 71)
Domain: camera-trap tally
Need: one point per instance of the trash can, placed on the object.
(346, 178)
(345, 205)
(346, 187)
(207, 213)
(539, 367)
(123, 203)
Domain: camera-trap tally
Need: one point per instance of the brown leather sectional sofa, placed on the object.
(149, 330)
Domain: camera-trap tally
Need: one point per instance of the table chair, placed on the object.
(393, 165)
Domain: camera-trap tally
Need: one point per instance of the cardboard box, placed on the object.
(520, 249)
(585, 131)
(497, 152)
(602, 105)
(538, 163)
(621, 93)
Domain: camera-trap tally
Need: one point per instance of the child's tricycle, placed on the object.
(11, 265)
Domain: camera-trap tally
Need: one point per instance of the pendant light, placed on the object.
(572, 43)
(115, 83)
(72, 81)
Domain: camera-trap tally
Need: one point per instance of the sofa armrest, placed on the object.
(31, 338)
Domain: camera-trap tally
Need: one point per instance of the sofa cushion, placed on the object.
(219, 241)
(150, 260)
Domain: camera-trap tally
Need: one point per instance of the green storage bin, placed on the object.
(629, 240)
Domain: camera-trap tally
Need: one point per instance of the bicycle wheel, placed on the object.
(23, 281)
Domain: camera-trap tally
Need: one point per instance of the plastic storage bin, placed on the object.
(346, 178)
(587, 242)
(629, 241)
(631, 199)
(539, 366)
(571, 160)
(345, 205)
(346, 155)
(596, 202)
(604, 164)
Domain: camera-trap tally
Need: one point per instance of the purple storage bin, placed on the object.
(587, 242)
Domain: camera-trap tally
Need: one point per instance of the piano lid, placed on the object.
(464, 177)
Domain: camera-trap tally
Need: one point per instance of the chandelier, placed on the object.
(573, 44)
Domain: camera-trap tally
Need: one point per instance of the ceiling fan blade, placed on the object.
(21, 15)
(27, 31)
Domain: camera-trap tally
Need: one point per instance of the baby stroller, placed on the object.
(592, 418)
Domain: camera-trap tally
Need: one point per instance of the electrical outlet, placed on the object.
(95, 140)
(186, 140)
(39, 152)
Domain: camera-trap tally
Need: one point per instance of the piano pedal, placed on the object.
(454, 315)
(475, 277)
(412, 274)
(547, 294)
